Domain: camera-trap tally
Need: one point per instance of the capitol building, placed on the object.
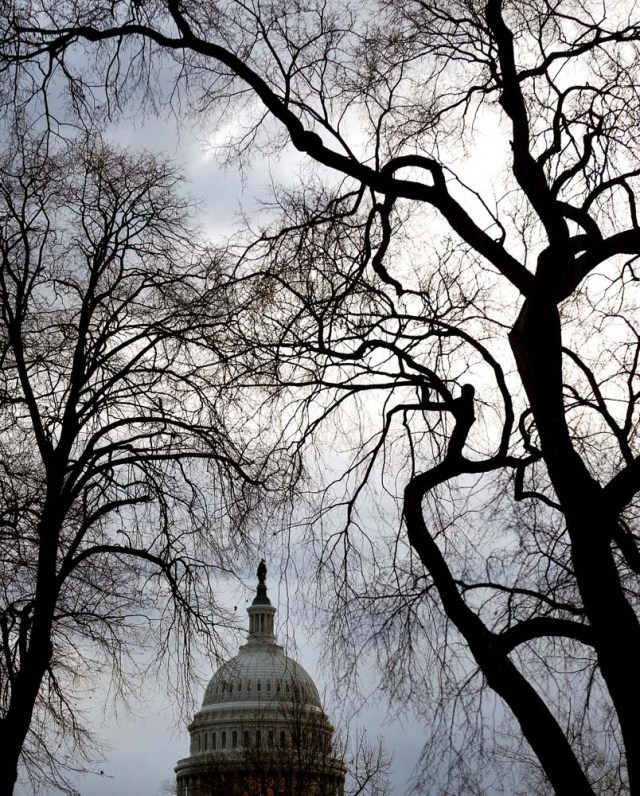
(261, 730)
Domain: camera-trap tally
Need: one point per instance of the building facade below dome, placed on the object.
(261, 730)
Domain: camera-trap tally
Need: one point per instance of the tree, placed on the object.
(488, 314)
(118, 456)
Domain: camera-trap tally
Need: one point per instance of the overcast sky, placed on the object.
(141, 750)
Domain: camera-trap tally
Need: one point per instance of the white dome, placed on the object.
(261, 673)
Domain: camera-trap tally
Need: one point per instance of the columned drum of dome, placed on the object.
(261, 730)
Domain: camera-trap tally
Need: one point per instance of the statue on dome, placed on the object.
(262, 572)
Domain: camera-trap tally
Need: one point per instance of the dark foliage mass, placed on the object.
(448, 305)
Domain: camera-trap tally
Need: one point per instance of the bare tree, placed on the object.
(125, 481)
(468, 266)
(368, 765)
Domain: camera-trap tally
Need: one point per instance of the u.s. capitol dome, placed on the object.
(261, 730)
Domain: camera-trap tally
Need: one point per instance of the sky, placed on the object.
(140, 749)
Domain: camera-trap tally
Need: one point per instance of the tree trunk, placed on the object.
(36, 659)
(591, 524)
(14, 726)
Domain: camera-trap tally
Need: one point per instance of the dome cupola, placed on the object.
(261, 612)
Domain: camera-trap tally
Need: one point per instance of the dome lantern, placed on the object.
(261, 612)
